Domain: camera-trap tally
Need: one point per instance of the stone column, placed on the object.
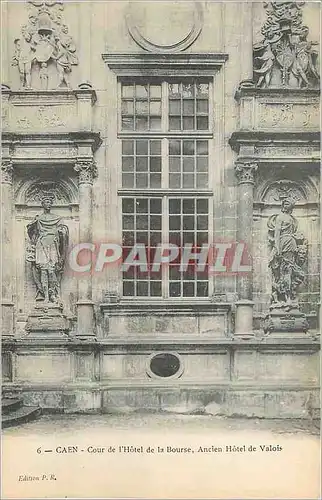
(6, 252)
(244, 314)
(85, 307)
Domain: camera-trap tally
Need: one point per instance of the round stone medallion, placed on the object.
(164, 26)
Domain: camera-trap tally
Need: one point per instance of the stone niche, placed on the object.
(27, 194)
(302, 185)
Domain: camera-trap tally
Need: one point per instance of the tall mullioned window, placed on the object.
(165, 130)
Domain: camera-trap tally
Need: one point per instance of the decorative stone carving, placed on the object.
(283, 189)
(87, 171)
(6, 171)
(45, 41)
(285, 57)
(289, 115)
(47, 250)
(245, 172)
(147, 24)
(289, 250)
(35, 195)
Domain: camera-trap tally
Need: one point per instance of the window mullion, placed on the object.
(165, 107)
(165, 239)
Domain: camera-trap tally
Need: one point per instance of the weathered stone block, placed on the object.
(44, 368)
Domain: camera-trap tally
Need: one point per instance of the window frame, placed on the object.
(178, 66)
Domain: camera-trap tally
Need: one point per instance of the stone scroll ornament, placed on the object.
(288, 256)
(285, 57)
(47, 250)
(45, 41)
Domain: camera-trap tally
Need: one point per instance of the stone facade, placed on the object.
(247, 77)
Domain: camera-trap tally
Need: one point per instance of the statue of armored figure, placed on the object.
(288, 256)
(47, 251)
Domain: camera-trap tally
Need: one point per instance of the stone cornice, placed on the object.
(60, 95)
(161, 308)
(302, 344)
(201, 64)
(245, 137)
(52, 138)
(252, 91)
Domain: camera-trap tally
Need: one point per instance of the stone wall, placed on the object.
(95, 352)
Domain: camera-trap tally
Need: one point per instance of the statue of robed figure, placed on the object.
(47, 251)
(288, 255)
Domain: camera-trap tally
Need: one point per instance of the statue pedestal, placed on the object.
(282, 322)
(47, 319)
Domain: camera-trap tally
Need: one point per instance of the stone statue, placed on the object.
(47, 252)
(23, 57)
(65, 57)
(285, 57)
(288, 255)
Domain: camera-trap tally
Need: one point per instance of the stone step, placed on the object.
(20, 416)
(10, 404)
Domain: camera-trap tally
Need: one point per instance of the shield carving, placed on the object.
(44, 51)
(285, 56)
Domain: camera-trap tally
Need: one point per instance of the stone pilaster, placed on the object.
(245, 173)
(86, 170)
(246, 41)
(6, 252)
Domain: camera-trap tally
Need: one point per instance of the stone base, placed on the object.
(287, 323)
(48, 320)
(251, 402)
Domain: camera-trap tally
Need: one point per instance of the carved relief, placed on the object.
(45, 41)
(283, 189)
(285, 57)
(287, 152)
(40, 117)
(289, 115)
(30, 191)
